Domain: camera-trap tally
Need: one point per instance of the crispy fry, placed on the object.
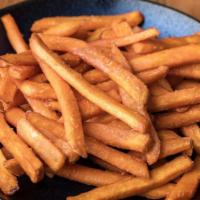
(13, 167)
(175, 119)
(32, 166)
(14, 35)
(127, 40)
(89, 22)
(91, 92)
(40, 78)
(69, 109)
(97, 34)
(119, 159)
(23, 72)
(71, 59)
(187, 185)
(134, 186)
(90, 176)
(54, 131)
(114, 136)
(82, 67)
(169, 57)
(122, 29)
(107, 85)
(8, 182)
(50, 154)
(6, 153)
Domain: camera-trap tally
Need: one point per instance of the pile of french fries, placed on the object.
(104, 89)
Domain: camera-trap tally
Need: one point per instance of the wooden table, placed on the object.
(191, 7)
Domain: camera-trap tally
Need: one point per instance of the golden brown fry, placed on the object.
(185, 84)
(114, 136)
(89, 176)
(14, 35)
(89, 22)
(107, 85)
(114, 157)
(8, 182)
(49, 153)
(127, 40)
(175, 119)
(82, 67)
(38, 90)
(69, 109)
(97, 34)
(40, 78)
(175, 99)
(54, 131)
(193, 132)
(187, 186)
(6, 153)
(122, 29)
(32, 166)
(71, 59)
(13, 167)
(23, 72)
(169, 57)
(67, 28)
(167, 134)
(94, 94)
(133, 186)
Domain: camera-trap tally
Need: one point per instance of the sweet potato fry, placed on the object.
(14, 35)
(32, 166)
(193, 132)
(13, 167)
(8, 182)
(127, 40)
(175, 119)
(67, 28)
(69, 109)
(71, 59)
(169, 57)
(114, 136)
(23, 72)
(119, 159)
(54, 131)
(187, 186)
(89, 22)
(89, 176)
(133, 186)
(175, 99)
(94, 94)
(49, 153)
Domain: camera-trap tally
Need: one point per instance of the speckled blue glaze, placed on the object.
(169, 22)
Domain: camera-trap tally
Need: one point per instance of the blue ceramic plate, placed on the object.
(168, 21)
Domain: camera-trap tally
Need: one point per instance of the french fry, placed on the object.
(97, 34)
(193, 132)
(105, 118)
(54, 131)
(133, 18)
(114, 157)
(89, 176)
(6, 153)
(14, 35)
(185, 84)
(40, 78)
(13, 115)
(114, 136)
(187, 186)
(32, 166)
(167, 135)
(175, 99)
(71, 59)
(133, 186)
(69, 109)
(13, 167)
(122, 29)
(94, 94)
(175, 119)
(49, 153)
(23, 72)
(107, 85)
(37, 90)
(169, 57)
(67, 28)
(127, 40)
(82, 67)
(123, 77)
(24, 59)
(8, 182)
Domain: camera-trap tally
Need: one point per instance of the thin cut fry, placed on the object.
(13, 33)
(133, 186)
(50, 154)
(8, 182)
(32, 166)
(169, 57)
(94, 94)
(119, 159)
(89, 176)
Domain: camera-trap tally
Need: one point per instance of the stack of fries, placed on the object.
(101, 88)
